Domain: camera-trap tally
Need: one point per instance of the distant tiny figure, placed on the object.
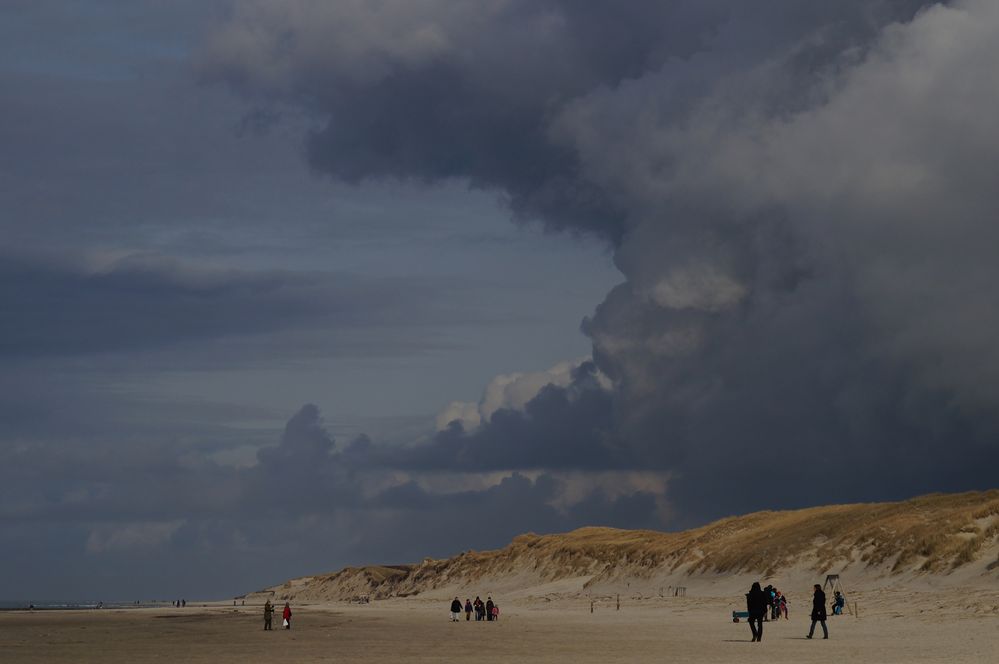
(468, 609)
(455, 609)
(286, 614)
(489, 608)
(183, 603)
(783, 605)
(818, 612)
(495, 611)
(756, 606)
(268, 613)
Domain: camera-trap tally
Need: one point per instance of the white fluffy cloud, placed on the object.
(511, 391)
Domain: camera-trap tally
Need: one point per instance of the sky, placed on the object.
(297, 284)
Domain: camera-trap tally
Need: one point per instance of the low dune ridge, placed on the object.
(948, 539)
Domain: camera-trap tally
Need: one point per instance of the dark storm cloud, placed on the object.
(794, 192)
(433, 90)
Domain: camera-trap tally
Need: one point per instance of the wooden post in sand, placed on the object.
(591, 606)
(856, 610)
(619, 601)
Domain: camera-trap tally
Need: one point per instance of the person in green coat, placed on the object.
(268, 614)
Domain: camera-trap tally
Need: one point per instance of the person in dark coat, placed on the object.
(756, 605)
(479, 608)
(455, 609)
(489, 608)
(468, 609)
(819, 612)
(268, 614)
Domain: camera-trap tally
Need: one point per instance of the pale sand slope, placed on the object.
(940, 540)
(951, 625)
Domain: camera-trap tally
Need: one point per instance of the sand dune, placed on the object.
(932, 540)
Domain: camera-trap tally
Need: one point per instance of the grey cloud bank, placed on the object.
(796, 193)
(801, 199)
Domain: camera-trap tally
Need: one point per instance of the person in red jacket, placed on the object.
(286, 614)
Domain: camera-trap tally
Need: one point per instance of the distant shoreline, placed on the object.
(80, 606)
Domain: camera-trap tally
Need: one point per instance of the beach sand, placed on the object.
(950, 626)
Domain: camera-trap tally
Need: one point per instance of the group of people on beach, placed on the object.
(776, 604)
(488, 610)
(761, 602)
(269, 614)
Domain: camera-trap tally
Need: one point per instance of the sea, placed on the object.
(71, 605)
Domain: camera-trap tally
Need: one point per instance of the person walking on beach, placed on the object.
(468, 609)
(478, 608)
(455, 609)
(286, 614)
(818, 612)
(268, 614)
(756, 605)
(489, 608)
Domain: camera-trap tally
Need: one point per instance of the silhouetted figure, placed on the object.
(819, 612)
(455, 609)
(756, 606)
(489, 608)
(468, 609)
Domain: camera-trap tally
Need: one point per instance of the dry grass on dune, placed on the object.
(932, 534)
(937, 532)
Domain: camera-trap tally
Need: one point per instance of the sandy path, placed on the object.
(692, 630)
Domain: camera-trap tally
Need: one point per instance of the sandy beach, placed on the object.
(956, 625)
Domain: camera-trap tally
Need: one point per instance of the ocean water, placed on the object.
(69, 605)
